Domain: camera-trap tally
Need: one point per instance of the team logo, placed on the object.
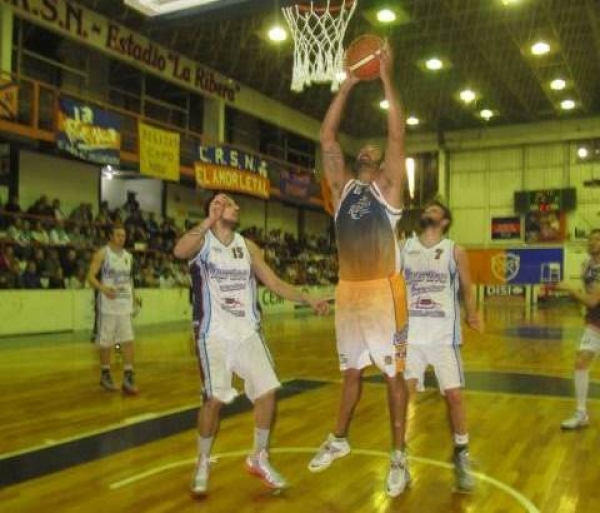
(505, 266)
(438, 253)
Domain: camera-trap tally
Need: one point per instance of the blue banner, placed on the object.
(88, 132)
(537, 265)
(294, 185)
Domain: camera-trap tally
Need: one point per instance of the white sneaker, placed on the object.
(259, 465)
(465, 482)
(199, 484)
(332, 449)
(578, 420)
(398, 477)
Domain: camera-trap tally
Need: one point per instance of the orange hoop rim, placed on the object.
(306, 6)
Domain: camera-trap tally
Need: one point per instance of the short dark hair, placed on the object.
(445, 209)
(114, 227)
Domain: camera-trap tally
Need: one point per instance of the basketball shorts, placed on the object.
(445, 360)
(221, 355)
(113, 329)
(590, 340)
(371, 324)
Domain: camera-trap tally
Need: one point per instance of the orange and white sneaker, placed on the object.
(258, 464)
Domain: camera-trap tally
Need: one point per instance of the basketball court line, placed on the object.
(56, 455)
(527, 505)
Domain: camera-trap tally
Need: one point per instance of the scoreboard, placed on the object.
(545, 200)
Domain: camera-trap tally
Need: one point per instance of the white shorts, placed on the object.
(446, 363)
(114, 329)
(370, 324)
(222, 355)
(590, 340)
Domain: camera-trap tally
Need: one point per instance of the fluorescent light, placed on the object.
(386, 16)
(558, 84)
(434, 64)
(157, 7)
(582, 152)
(384, 104)
(510, 2)
(486, 114)
(540, 48)
(410, 174)
(277, 34)
(467, 95)
(567, 104)
(412, 121)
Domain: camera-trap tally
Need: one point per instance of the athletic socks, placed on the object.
(582, 382)
(205, 445)
(261, 439)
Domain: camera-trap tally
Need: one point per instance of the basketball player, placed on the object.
(370, 297)
(115, 302)
(590, 341)
(435, 268)
(224, 267)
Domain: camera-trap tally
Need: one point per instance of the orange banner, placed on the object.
(211, 176)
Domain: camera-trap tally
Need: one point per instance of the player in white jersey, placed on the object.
(110, 274)
(224, 267)
(370, 308)
(435, 268)
(590, 341)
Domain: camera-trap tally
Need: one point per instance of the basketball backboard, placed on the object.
(159, 7)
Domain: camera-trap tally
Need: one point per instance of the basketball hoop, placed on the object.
(318, 34)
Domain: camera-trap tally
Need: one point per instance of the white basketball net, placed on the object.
(318, 43)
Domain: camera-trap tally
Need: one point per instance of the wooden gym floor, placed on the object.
(68, 446)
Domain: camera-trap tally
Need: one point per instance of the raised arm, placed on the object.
(334, 166)
(192, 241)
(287, 291)
(464, 275)
(392, 179)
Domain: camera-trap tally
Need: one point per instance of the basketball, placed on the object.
(362, 57)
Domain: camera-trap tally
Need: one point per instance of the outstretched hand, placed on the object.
(320, 306)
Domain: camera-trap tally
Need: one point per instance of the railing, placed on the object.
(36, 119)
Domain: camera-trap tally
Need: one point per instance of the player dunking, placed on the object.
(590, 341)
(435, 268)
(224, 267)
(115, 304)
(370, 297)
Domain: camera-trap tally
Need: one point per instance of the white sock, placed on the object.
(261, 439)
(205, 446)
(461, 440)
(582, 382)
(128, 367)
(398, 456)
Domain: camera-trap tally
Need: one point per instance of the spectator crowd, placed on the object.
(43, 248)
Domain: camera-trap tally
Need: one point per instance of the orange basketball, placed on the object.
(362, 57)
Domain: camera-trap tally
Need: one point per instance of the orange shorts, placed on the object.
(371, 324)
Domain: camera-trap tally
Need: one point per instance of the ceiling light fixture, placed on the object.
(384, 104)
(277, 34)
(540, 48)
(567, 104)
(467, 95)
(558, 84)
(434, 64)
(412, 121)
(386, 16)
(487, 114)
(582, 152)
